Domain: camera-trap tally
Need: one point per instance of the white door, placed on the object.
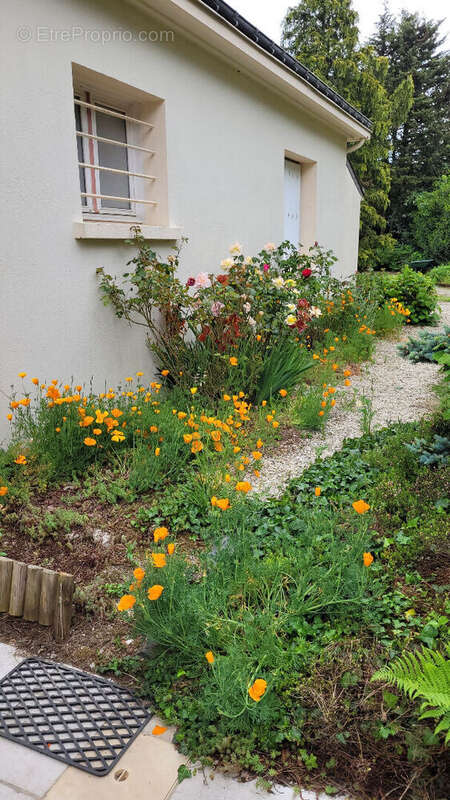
(292, 188)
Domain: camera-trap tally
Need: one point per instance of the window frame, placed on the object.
(93, 209)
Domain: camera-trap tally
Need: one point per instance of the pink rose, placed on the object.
(216, 308)
(266, 267)
(202, 280)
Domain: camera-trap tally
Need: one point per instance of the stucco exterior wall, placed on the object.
(226, 141)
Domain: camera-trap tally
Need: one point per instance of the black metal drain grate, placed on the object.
(77, 718)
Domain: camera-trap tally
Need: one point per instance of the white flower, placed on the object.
(278, 282)
(171, 259)
(269, 246)
(315, 312)
(236, 249)
(226, 263)
(248, 260)
(252, 322)
(290, 307)
(290, 320)
(246, 307)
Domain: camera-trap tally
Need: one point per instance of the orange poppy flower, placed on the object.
(159, 534)
(139, 573)
(210, 657)
(223, 503)
(360, 506)
(159, 559)
(126, 602)
(155, 591)
(257, 689)
(243, 486)
(171, 548)
(317, 491)
(367, 559)
(196, 446)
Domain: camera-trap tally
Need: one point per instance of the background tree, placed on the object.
(430, 221)
(323, 35)
(420, 143)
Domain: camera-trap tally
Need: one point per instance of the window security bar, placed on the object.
(111, 113)
(114, 141)
(117, 171)
(114, 197)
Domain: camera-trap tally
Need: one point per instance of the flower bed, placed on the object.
(261, 622)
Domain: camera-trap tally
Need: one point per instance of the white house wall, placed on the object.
(226, 141)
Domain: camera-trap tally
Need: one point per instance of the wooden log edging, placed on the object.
(37, 594)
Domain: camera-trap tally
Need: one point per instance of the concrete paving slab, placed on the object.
(12, 793)
(23, 772)
(215, 786)
(148, 769)
(28, 770)
(8, 659)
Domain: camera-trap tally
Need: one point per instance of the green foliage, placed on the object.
(427, 347)
(393, 256)
(256, 610)
(306, 408)
(283, 369)
(213, 333)
(430, 454)
(429, 224)
(424, 674)
(440, 275)
(419, 145)
(415, 290)
(321, 35)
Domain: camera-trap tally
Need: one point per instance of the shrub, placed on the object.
(430, 226)
(415, 291)
(427, 347)
(440, 275)
(434, 453)
(395, 255)
(233, 328)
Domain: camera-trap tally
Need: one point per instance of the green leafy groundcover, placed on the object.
(282, 594)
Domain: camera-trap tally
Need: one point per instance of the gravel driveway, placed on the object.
(399, 390)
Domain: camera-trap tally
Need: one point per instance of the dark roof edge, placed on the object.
(355, 178)
(251, 32)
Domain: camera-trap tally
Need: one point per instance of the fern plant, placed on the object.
(424, 674)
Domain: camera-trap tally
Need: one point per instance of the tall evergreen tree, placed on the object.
(323, 35)
(420, 146)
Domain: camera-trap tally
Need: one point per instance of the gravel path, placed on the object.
(399, 390)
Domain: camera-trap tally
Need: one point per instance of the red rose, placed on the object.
(190, 281)
(306, 273)
(223, 279)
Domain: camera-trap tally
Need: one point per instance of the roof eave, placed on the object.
(200, 21)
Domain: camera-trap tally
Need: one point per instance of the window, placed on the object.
(120, 151)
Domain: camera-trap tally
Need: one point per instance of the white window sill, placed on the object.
(121, 230)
